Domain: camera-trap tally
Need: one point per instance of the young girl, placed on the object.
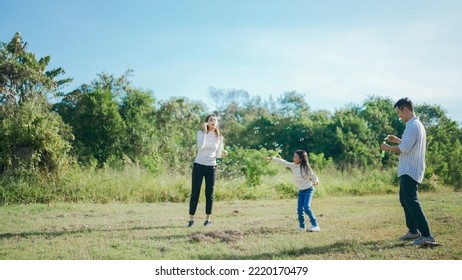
(209, 148)
(305, 179)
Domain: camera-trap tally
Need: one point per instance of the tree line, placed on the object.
(111, 123)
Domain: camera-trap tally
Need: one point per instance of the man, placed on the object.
(411, 168)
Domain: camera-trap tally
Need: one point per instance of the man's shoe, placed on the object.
(423, 240)
(410, 236)
(190, 223)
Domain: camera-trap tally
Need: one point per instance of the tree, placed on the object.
(381, 120)
(354, 141)
(444, 149)
(139, 114)
(22, 76)
(93, 113)
(143, 138)
(30, 134)
(320, 136)
(178, 120)
(98, 127)
(293, 105)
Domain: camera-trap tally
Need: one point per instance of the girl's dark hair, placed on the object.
(217, 128)
(305, 167)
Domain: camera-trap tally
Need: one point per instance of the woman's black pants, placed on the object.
(199, 172)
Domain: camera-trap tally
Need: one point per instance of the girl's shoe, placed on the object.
(314, 229)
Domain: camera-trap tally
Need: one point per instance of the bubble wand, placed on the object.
(384, 142)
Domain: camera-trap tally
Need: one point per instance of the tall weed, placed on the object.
(136, 184)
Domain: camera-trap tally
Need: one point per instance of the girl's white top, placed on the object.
(303, 182)
(209, 148)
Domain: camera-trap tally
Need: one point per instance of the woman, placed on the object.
(210, 146)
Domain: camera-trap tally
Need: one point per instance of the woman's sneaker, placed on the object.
(314, 229)
(207, 223)
(190, 223)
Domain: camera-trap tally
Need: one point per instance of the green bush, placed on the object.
(318, 161)
(286, 190)
(32, 135)
(249, 163)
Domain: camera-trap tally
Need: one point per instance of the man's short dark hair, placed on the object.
(404, 103)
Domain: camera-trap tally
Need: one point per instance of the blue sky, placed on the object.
(334, 52)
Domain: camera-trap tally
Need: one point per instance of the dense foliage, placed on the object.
(110, 123)
(32, 138)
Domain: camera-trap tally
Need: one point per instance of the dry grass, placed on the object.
(352, 228)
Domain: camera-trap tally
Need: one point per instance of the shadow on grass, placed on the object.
(362, 250)
(336, 249)
(81, 229)
(356, 248)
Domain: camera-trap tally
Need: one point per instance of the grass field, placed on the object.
(353, 227)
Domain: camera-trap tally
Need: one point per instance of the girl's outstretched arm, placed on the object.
(281, 161)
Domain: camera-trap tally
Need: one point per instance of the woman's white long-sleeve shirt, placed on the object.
(209, 147)
(303, 182)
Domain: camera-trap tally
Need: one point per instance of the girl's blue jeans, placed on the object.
(304, 206)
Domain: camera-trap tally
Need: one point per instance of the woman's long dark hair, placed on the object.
(217, 128)
(305, 167)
